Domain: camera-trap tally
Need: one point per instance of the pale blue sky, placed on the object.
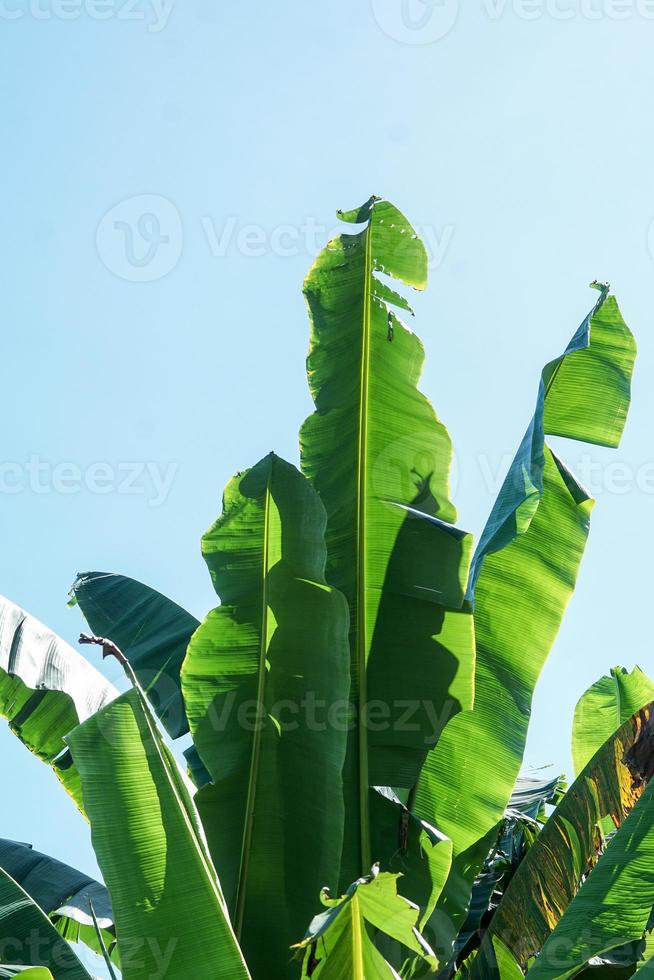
(519, 142)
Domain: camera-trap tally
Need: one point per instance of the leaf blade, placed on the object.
(380, 459)
(160, 884)
(522, 577)
(604, 707)
(261, 675)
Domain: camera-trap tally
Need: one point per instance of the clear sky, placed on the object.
(145, 360)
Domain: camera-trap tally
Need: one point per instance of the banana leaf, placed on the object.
(380, 459)
(170, 914)
(62, 892)
(28, 938)
(57, 888)
(531, 795)
(614, 903)
(152, 631)
(605, 706)
(46, 688)
(549, 877)
(523, 575)
(339, 943)
(266, 683)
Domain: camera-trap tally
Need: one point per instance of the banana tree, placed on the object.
(359, 700)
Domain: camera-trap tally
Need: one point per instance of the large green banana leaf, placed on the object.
(28, 938)
(380, 460)
(605, 706)
(62, 892)
(46, 688)
(152, 631)
(523, 576)
(549, 876)
(266, 682)
(614, 904)
(171, 918)
(339, 943)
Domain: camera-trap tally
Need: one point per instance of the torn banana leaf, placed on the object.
(28, 938)
(422, 857)
(170, 914)
(340, 941)
(522, 578)
(531, 795)
(266, 682)
(549, 877)
(62, 892)
(46, 688)
(614, 904)
(152, 631)
(380, 459)
(605, 706)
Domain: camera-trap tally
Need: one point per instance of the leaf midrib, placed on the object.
(357, 940)
(361, 556)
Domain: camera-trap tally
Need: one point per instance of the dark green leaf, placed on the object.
(152, 631)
